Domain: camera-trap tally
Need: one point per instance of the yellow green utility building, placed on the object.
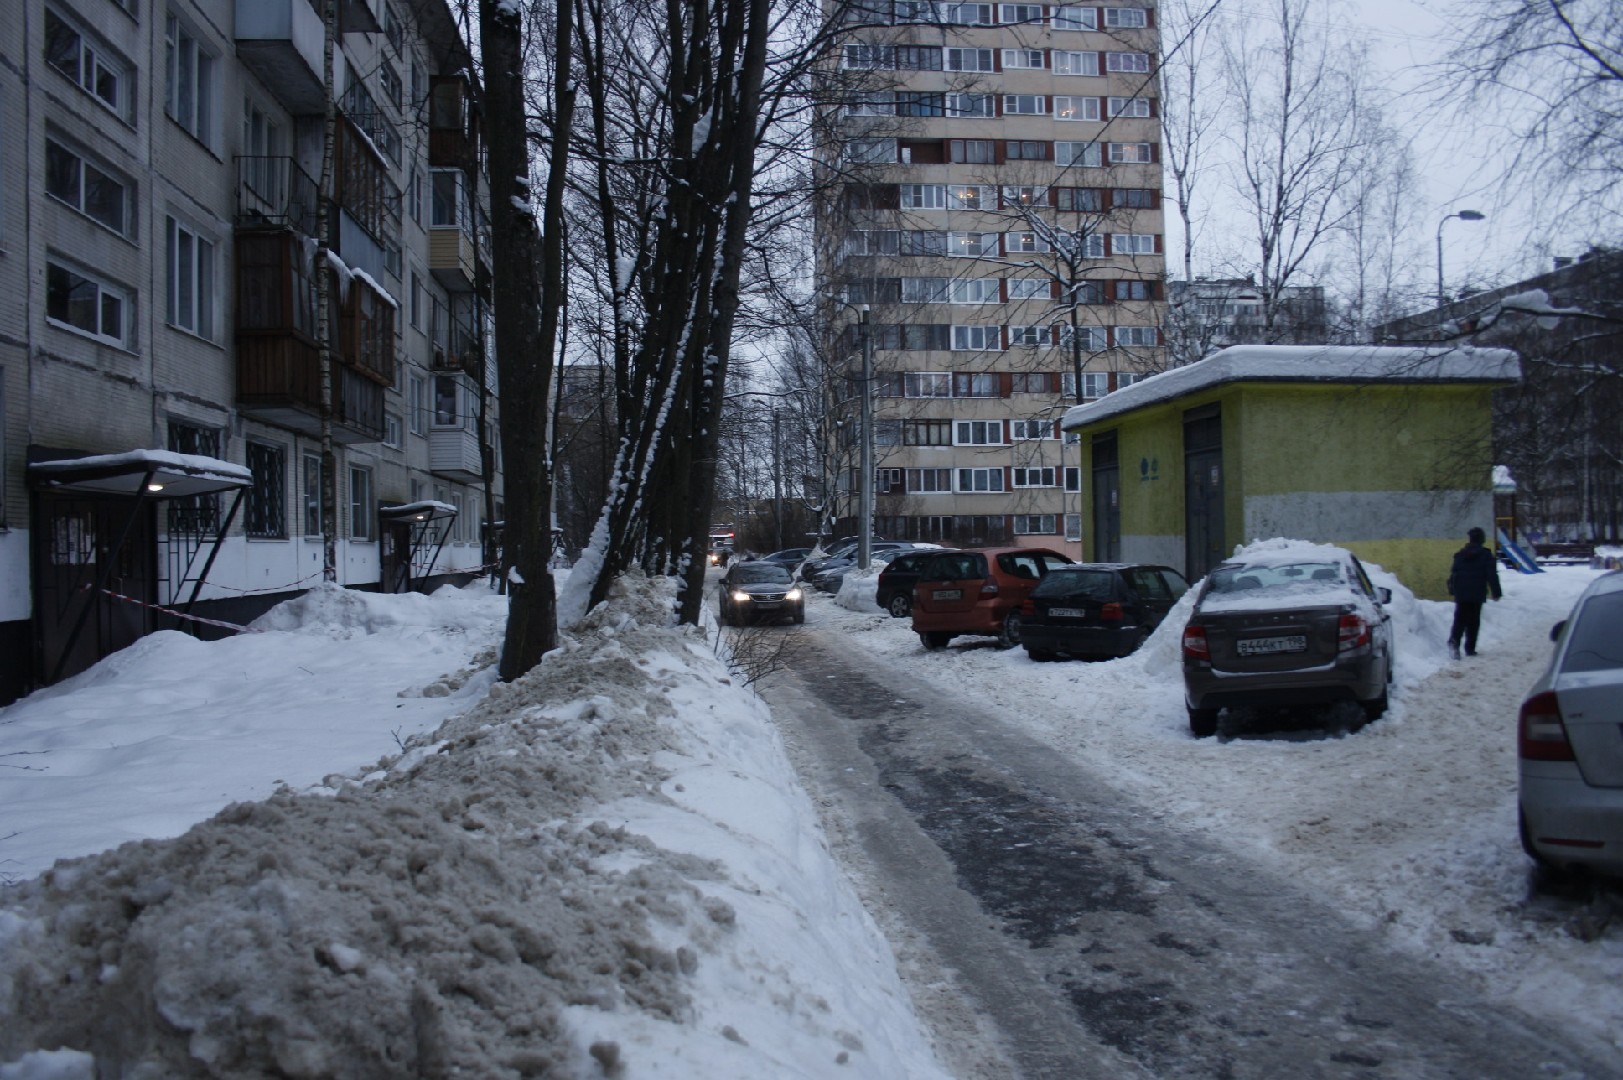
(1384, 451)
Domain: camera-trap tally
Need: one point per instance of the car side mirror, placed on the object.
(1555, 631)
(1383, 594)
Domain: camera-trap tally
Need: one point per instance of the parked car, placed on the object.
(788, 558)
(1570, 800)
(720, 555)
(1295, 626)
(832, 576)
(758, 590)
(844, 550)
(978, 591)
(894, 590)
(1093, 610)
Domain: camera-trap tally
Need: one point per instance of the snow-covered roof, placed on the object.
(163, 473)
(424, 508)
(1305, 363)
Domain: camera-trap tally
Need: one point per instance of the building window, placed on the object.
(1033, 477)
(971, 245)
(189, 91)
(446, 404)
(1133, 198)
(971, 197)
(1132, 243)
(888, 481)
(968, 59)
(1029, 382)
(360, 504)
(389, 82)
(1071, 62)
(417, 404)
(1023, 60)
(1135, 290)
(1084, 154)
(265, 513)
(1021, 13)
(876, 104)
(312, 495)
(918, 103)
(1129, 106)
(918, 57)
(1135, 335)
(1024, 243)
(1095, 384)
(1035, 524)
(974, 338)
(1073, 475)
(86, 304)
(975, 291)
(887, 433)
(190, 278)
(1125, 18)
(927, 433)
(447, 205)
(1030, 337)
(927, 384)
(1081, 200)
(971, 105)
(976, 480)
(1025, 105)
(979, 434)
(924, 290)
(1026, 150)
(1018, 195)
(1028, 288)
(928, 481)
(972, 151)
(923, 196)
(966, 14)
(391, 430)
(1134, 62)
(86, 187)
(90, 66)
(194, 514)
(1026, 430)
(1093, 338)
(975, 384)
(1076, 108)
(1075, 18)
(1124, 379)
(870, 151)
(1139, 153)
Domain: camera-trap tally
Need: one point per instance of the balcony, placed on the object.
(453, 437)
(275, 191)
(358, 16)
(281, 42)
(279, 382)
(453, 124)
(451, 258)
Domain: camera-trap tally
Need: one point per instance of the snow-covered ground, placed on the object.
(608, 866)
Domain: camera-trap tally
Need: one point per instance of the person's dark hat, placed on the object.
(1476, 535)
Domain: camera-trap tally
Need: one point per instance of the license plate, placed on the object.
(948, 594)
(768, 603)
(1067, 613)
(1264, 646)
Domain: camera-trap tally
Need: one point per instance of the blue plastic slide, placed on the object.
(1523, 561)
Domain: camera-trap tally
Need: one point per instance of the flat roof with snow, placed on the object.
(1305, 363)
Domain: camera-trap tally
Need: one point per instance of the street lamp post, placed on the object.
(865, 480)
(1463, 215)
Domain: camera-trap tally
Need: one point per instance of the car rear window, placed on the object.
(956, 567)
(1094, 584)
(1595, 643)
(1021, 566)
(1227, 580)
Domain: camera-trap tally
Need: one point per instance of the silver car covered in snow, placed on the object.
(1570, 739)
(1294, 626)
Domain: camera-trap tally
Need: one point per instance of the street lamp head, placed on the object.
(1469, 215)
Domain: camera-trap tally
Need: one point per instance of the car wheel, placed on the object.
(800, 615)
(1203, 723)
(1009, 631)
(935, 639)
(900, 606)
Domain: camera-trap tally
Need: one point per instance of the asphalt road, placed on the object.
(1053, 929)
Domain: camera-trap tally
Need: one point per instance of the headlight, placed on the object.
(741, 597)
(792, 594)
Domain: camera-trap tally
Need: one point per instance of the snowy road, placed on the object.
(1092, 939)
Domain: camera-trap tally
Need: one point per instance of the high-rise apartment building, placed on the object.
(164, 406)
(991, 239)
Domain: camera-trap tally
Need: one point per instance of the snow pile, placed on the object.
(477, 905)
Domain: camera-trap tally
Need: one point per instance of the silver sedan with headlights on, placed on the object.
(752, 591)
(1570, 740)
(1287, 627)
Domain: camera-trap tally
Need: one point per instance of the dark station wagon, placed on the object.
(1097, 610)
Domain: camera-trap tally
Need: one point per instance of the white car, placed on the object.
(1570, 740)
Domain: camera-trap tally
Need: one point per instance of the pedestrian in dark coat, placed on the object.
(1472, 579)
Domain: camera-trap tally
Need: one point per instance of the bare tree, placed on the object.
(1300, 139)
(1190, 106)
(1554, 70)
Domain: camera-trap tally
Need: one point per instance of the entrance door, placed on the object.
(396, 556)
(1202, 490)
(73, 548)
(1106, 499)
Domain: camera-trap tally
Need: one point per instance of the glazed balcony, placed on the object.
(275, 191)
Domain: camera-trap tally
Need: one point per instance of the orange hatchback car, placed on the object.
(979, 591)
